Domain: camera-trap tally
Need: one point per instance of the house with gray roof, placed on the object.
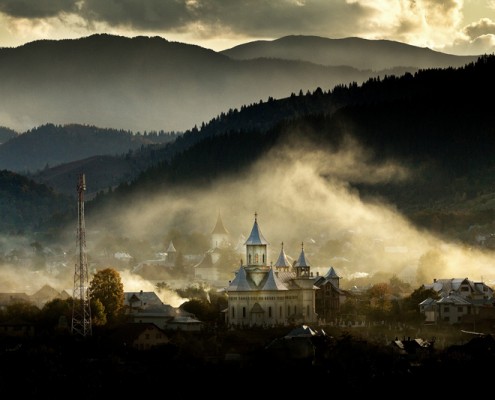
(458, 297)
(147, 308)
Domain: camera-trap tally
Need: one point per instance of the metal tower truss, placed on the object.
(81, 309)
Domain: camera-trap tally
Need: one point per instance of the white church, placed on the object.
(271, 295)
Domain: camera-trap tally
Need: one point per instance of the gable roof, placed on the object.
(142, 299)
(131, 331)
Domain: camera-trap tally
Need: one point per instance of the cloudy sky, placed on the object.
(452, 26)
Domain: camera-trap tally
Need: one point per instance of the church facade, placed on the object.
(271, 295)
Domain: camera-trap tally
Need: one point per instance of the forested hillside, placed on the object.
(50, 145)
(27, 206)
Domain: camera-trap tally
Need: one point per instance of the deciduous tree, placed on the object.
(107, 287)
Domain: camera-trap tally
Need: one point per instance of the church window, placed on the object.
(256, 259)
(243, 312)
(233, 312)
(307, 310)
(263, 258)
(249, 257)
(288, 310)
(269, 312)
(280, 310)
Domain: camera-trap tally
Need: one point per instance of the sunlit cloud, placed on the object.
(475, 38)
(484, 26)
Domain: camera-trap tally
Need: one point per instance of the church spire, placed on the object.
(219, 235)
(282, 261)
(302, 265)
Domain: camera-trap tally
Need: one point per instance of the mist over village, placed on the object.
(313, 204)
(295, 204)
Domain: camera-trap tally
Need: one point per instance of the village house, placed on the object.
(458, 298)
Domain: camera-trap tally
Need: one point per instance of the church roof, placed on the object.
(272, 282)
(240, 282)
(171, 248)
(282, 260)
(256, 236)
(219, 227)
(206, 261)
(301, 261)
(331, 274)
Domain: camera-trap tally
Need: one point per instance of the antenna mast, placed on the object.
(81, 310)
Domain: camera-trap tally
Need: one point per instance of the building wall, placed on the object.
(277, 308)
(274, 304)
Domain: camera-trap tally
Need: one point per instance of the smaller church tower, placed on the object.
(332, 276)
(219, 235)
(171, 253)
(283, 263)
(302, 266)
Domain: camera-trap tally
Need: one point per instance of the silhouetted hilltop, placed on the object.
(359, 53)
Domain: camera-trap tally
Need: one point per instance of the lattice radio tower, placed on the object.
(81, 310)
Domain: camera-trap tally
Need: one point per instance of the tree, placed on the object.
(54, 311)
(107, 287)
(418, 295)
(380, 302)
(23, 311)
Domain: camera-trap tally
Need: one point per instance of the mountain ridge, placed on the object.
(144, 84)
(366, 54)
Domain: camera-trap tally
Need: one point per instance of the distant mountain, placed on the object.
(51, 145)
(365, 54)
(151, 84)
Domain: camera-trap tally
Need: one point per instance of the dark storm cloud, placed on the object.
(210, 17)
(140, 14)
(37, 8)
